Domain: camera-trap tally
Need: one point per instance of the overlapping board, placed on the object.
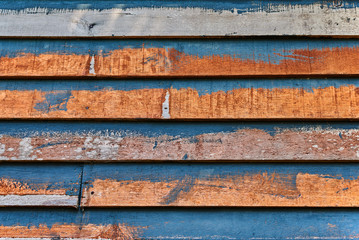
(40, 185)
(178, 141)
(153, 223)
(185, 99)
(178, 18)
(179, 184)
(178, 57)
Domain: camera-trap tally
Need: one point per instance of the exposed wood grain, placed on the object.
(175, 58)
(217, 223)
(185, 18)
(181, 99)
(208, 141)
(294, 185)
(39, 185)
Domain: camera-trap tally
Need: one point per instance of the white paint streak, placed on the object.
(38, 200)
(314, 19)
(25, 149)
(166, 106)
(92, 66)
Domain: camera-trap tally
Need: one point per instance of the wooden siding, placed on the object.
(178, 18)
(179, 223)
(178, 141)
(243, 99)
(178, 57)
(283, 185)
(164, 119)
(39, 185)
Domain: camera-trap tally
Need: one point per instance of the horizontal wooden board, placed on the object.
(253, 99)
(178, 57)
(167, 141)
(178, 18)
(239, 185)
(180, 223)
(39, 185)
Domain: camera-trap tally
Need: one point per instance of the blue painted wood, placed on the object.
(180, 223)
(43, 176)
(204, 86)
(156, 129)
(252, 49)
(167, 172)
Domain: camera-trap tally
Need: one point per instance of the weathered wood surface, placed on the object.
(245, 185)
(253, 99)
(178, 18)
(178, 58)
(176, 141)
(39, 185)
(234, 223)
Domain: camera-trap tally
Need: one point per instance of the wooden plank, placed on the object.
(178, 141)
(178, 18)
(178, 58)
(243, 99)
(234, 223)
(39, 185)
(224, 185)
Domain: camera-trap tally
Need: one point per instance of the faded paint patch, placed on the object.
(243, 144)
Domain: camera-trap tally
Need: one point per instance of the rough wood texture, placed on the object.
(294, 185)
(39, 185)
(178, 18)
(180, 223)
(181, 99)
(161, 141)
(137, 58)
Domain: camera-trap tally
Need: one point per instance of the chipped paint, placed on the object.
(166, 106)
(92, 66)
(12, 187)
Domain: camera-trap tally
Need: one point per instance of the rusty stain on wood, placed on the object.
(171, 62)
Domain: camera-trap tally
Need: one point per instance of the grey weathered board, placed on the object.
(178, 18)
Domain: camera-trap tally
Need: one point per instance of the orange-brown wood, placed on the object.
(242, 103)
(171, 62)
(310, 190)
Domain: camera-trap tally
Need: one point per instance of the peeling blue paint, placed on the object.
(203, 223)
(173, 129)
(36, 176)
(265, 50)
(54, 101)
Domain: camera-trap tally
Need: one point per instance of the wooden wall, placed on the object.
(234, 119)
